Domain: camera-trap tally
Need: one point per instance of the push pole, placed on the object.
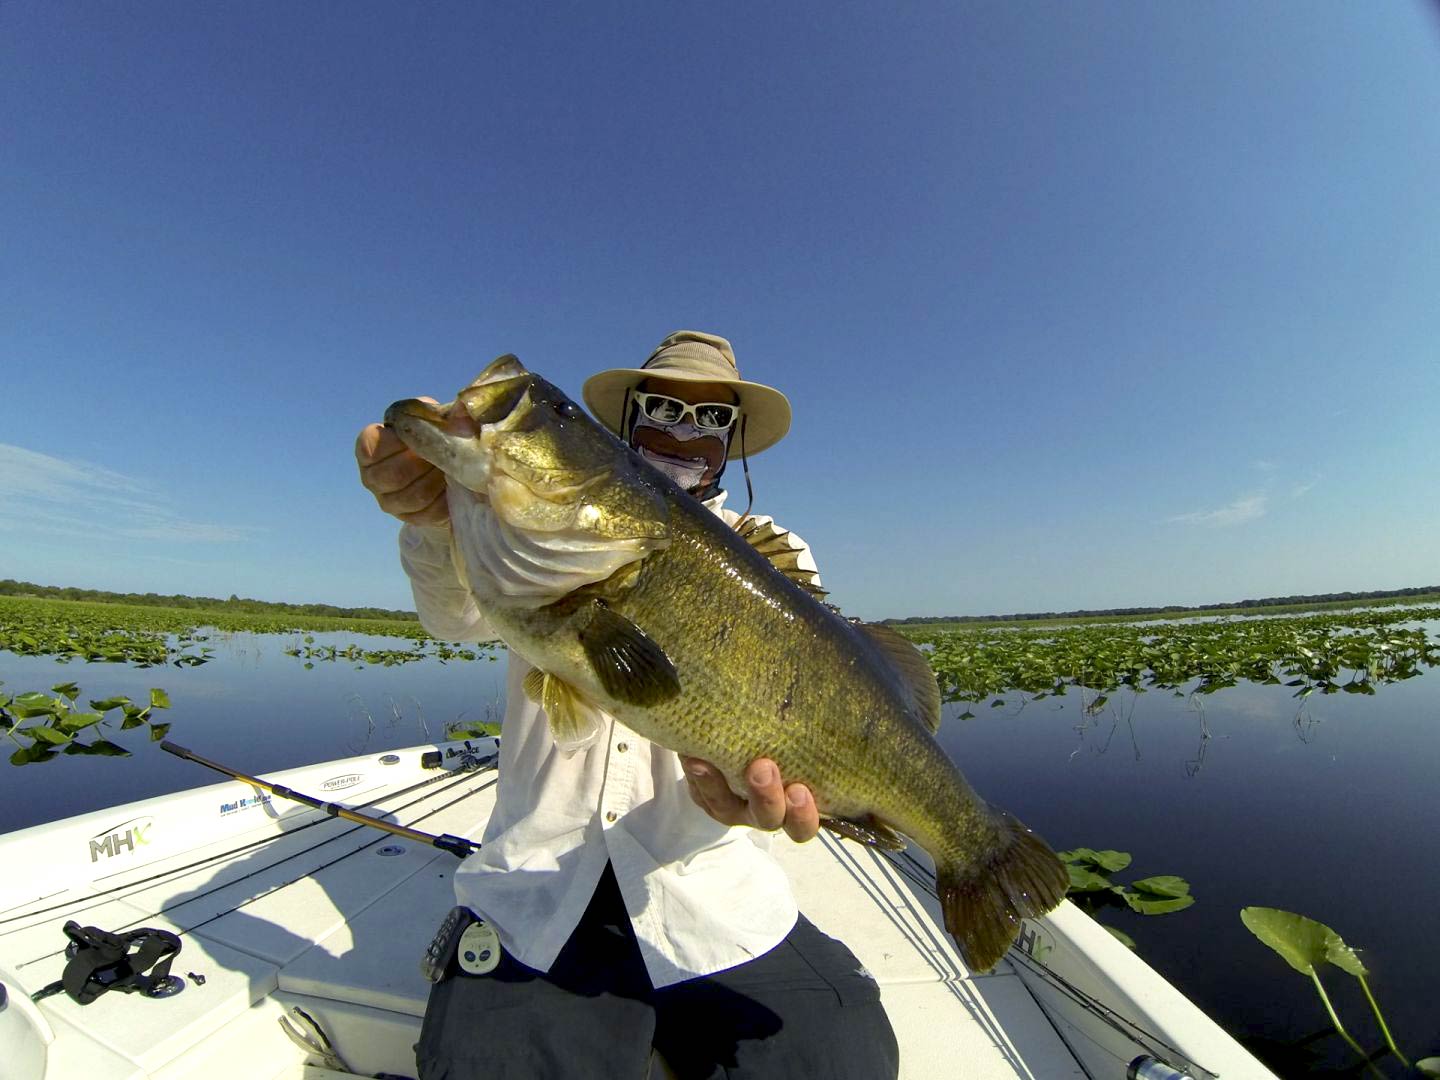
(456, 845)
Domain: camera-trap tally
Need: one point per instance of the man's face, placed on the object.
(689, 455)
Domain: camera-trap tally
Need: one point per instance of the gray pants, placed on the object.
(803, 1009)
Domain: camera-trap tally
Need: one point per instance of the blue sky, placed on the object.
(1078, 305)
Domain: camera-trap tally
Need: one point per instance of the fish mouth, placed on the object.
(399, 414)
(449, 435)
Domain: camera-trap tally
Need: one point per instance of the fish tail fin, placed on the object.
(984, 901)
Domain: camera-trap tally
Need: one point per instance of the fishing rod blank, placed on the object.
(456, 845)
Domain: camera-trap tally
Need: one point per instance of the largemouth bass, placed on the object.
(629, 595)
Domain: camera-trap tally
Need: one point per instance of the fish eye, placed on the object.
(567, 409)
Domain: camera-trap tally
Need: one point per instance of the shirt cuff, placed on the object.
(447, 610)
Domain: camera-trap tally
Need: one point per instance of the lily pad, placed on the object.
(1085, 880)
(1106, 860)
(1148, 904)
(1303, 943)
(1163, 885)
(1122, 937)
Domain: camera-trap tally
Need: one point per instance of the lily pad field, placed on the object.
(1189, 769)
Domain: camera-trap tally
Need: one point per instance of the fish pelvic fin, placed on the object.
(575, 722)
(914, 669)
(534, 685)
(867, 830)
(627, 661)
(984, 902)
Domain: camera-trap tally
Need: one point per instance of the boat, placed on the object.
(301, 935)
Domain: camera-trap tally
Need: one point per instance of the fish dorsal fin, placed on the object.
(575, 723)
(626, 660)
(867, 830)
(914, 669)
(775, 544)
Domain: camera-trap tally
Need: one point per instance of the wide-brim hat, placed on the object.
(691, 356)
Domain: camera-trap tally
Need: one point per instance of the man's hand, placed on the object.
(403, 483)
(772, 804)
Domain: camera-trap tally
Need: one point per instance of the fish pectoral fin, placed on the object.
(914, 669)
(575, 722)
(629, 664)
(867, 830)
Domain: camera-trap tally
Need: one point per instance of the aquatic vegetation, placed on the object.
(421, 650)
(471, 729)
(44, 725)
(1307, 946)
(149, 636)
(1351, 652)
(1092, 889)
(93, 632)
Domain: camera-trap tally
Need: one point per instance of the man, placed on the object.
(631, 914)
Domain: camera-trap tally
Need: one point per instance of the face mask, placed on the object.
(692, 458)
(688, 477)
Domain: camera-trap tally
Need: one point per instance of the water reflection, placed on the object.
(1320, 806)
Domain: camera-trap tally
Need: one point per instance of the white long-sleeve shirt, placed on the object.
(701, 895)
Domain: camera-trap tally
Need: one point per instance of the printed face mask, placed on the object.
(693, 458)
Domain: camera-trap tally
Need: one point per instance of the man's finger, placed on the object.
(391, 475)
(767, 794)
(415, 496)
(712, 794)
(437, 513)
(375, 443)
(802, 816)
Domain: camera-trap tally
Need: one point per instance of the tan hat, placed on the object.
(690, 356)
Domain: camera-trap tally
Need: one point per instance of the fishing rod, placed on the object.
(456, 845)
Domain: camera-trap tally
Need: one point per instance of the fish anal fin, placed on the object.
(866, 830)
(984, 901)
(629, 664)
(910, 662)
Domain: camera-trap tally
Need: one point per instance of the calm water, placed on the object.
(1329, 810)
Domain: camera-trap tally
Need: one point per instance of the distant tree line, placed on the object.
(1175, 609)
(11, 587)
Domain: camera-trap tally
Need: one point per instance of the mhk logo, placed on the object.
(126, 837)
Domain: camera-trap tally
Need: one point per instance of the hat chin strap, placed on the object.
(745, 464)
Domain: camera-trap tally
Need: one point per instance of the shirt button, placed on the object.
(622, 747)
(610, 815)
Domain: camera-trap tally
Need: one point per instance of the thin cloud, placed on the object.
(1246, 508)
(74, 498)
(189, 532)
(1301, 489)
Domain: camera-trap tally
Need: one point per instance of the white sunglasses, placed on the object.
(706, 415)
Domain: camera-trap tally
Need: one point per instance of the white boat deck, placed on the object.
(333, 917)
